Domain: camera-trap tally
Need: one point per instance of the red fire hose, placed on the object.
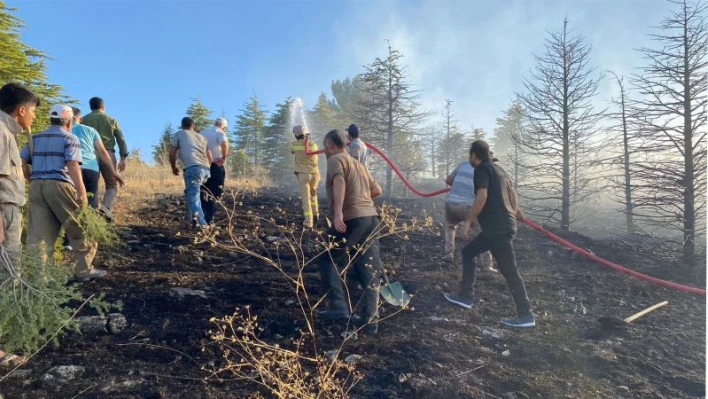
(543, 231)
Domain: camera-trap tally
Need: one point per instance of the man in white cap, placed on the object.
(57, 191)
(218, 145)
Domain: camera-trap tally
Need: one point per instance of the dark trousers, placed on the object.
(502, 249)
(90, 178)
(212, 191)
(360, 252)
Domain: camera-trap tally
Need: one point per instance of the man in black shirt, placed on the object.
(496, 209)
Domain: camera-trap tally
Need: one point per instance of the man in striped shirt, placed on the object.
(57, 191)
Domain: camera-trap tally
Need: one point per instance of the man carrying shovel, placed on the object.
(350, 189)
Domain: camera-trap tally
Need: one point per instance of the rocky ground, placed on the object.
(171, 288)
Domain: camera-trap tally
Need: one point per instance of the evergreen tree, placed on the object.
(200, 113)
(387, 107)
(161, 150)
(248, 133)
(26, 65)
(276, 142)
(324, 117)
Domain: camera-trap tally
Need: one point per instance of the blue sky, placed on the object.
(147, 59)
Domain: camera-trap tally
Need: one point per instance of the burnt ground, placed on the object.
(434, 350)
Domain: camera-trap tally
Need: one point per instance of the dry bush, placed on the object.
(302, 368)
(145, 183)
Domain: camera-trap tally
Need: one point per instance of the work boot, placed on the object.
(91, 275)
(335, 314)
(106, 213)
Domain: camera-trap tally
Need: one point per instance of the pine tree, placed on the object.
(669, 178)
(248, 134)
(558, 102)
(451, 150)
(276, 142)
(26, 65)
(324, 117)
(505, 142)
(200, 113)
(387, 107)
(161, 150)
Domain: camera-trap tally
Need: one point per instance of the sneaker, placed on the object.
(488, 269)
(106, 213)
(448, 257)
(68, 248)
(459, 300)
(91, 274)
(520, 321)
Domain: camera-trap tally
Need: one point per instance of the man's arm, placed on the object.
(173, 160)
(105, 159)
(122, 146)
(224, 150)
(208, 154)
(26, 170)
(338, 192)
(375, 191)
(480, 200)
(75, 173)
(514, 200)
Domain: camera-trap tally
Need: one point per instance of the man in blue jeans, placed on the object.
(195, 159)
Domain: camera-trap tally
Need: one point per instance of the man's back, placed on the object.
(462, 189)
(109, 130)
(498, 214)
(192, 148)
(358, 183)
(214, 137)
(358, 149)
(53, 148)
(87, 138)
(303, 162)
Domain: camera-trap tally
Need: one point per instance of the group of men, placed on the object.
(62, 165)
(481, 196)
(67, 158)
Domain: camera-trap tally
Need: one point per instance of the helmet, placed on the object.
(298, 130)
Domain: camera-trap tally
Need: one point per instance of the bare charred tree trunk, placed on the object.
(625, 183)
(448, 119)
(672, 180)
(562, 127)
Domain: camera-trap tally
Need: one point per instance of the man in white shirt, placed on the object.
(458, 207)
(218, 145)
(357, 147)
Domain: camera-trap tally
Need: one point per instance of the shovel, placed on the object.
(615, 323)
(394, 293)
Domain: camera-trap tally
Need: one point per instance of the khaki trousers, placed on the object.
(53, 205)
(308, 195)
(12, 218)
(454, 215)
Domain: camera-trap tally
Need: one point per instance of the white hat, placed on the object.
(61, 111)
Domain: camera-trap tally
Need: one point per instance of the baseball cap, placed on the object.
(61, 111)
(353, 128)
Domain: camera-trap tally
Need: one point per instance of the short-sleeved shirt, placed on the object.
(462, 189)
(304, 163)
(357, 148)
(88, 137)
(498, 217)
(214, 138)
(109, 130)
(53, 148)
(358, 183)
(192, 148)
(12, 181)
